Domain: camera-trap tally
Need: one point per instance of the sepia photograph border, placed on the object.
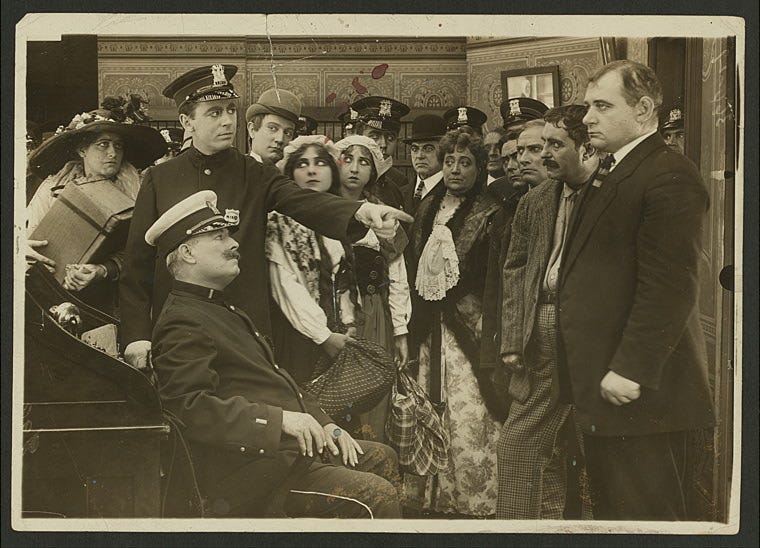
(49, 26)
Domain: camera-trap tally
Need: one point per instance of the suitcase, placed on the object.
(87, 223)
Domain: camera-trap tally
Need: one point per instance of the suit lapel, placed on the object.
(602, 197)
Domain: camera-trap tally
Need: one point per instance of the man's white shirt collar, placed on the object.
(430, 182)
(490, 179)
(256, 157)
(626, 149)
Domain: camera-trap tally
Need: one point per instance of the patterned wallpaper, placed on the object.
(577, 59)
(343, 73)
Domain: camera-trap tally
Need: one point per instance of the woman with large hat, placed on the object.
(103, 144)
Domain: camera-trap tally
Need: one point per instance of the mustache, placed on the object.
(550, 163)
(232, 254)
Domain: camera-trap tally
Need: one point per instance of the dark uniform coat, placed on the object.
(240, 183)
(501, 228)
(629, 293)
(388, 188)
(217, 375)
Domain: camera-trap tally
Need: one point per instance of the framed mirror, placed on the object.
(541, 83)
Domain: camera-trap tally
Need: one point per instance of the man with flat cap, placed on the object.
(673, 130)
(271, 123)
(380, 120)
(252, 434)
(427, 130)
(465, 116)
(207, 105)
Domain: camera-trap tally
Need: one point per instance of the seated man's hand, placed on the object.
(137, 354)
(34, 256)
(79, 276)
(618, 390)
(304, 428)
(340, 441)
(382, 219)
(334, 344)
(513, 362)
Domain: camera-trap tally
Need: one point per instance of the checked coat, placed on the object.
(531, 476)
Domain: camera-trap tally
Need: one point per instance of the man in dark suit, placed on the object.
(427, 130)
(207, 105)
(532, 479)
(253, 435)
(633, 353)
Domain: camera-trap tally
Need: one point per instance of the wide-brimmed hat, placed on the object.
(381, 164)
(276, 101)
(143, 145)
(465, 116)
(518, 110)
(427, 127)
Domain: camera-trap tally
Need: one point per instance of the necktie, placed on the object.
(605, 165)
(419, 189)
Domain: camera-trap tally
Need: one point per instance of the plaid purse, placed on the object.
(355, 381)
(415, 429)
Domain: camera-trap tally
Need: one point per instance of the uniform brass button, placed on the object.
(207, 171)
(261, 451)
(242, 449)
(378, 260)
(371, 289)
(276, 366)
(373, 275)
(232, 308)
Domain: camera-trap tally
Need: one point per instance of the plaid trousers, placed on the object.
(531, 464)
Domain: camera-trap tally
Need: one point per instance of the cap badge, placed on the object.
(514, 107)
(212, 207)
(232, 216)
(385, 108)
(462, 115)
(675, 115)
(354, 115)
(217, 71)
(166, 136)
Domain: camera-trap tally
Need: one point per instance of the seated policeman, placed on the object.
(245, 419)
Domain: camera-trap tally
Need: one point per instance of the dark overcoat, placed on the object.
(629, 293)
(240, 183)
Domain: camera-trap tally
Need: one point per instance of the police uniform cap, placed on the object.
(306, 125)
(196, 214)
(515, 111)
(207, 83)
(465, 116)
(381, 112)
(675, 119)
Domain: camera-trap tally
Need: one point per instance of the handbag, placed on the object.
(355, 381)
(415, 429)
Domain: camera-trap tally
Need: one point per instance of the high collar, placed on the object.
(202, 160)
(627, 148)
(198, 291)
